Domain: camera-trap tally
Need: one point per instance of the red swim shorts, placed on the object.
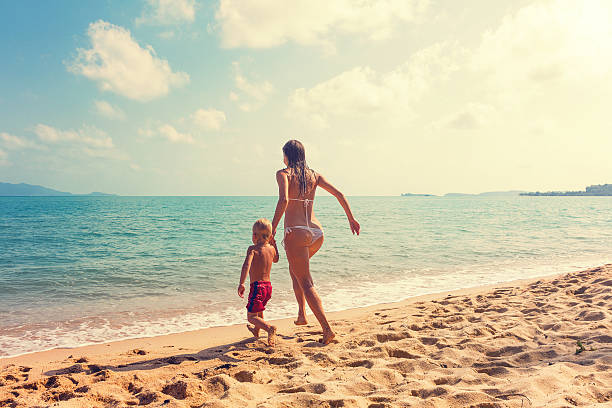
(259, 295)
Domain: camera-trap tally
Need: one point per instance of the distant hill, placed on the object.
(417, 195)
(22, 189)
(594, 190)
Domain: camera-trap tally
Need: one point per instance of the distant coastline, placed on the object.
(485, 194)
(594, 190)
(30, 190)
(590, 191)
(418, 195)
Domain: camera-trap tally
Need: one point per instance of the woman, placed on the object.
(303, 234)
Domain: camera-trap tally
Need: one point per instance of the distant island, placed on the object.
(485, 194)
(594, 190)
(22, 189)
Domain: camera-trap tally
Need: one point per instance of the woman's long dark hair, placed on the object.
(296, 160)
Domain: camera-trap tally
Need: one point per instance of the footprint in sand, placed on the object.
(282, 360)
(505, 351)
(399, 353)
(588, 315)
(317, 388)
(497, 371)
(447, 380)
(360, 363)
(392, 336)
(429, 392)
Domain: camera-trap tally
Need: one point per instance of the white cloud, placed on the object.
(170, 133)
(107, 110)
(362, 91)
(87, 136)
(535, 65)
(250, 95)
(182, 130)
(167, 12)
(208, 119)
(15, 142)
(545, 44)
(73, 144)
(135, 167)
(119, 64)
(261, 24)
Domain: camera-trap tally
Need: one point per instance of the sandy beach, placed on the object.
(540, 343)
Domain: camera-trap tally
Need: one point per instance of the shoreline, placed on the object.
(233, 332)
(541, 341)
(564, 269)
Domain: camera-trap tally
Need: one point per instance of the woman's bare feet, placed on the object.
(272, 336)
(253, 330)
(328, 337)
(301, 321)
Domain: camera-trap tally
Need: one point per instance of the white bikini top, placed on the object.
(306, 201)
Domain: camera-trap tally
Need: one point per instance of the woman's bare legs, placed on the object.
(301, 300)
(298, 254)
(297, 289)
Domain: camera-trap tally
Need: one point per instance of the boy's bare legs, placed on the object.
(298, 255)
(253, 329)
(256, 319)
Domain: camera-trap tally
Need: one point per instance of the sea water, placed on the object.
(82, 270)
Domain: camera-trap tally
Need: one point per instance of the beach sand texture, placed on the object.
(511, 345)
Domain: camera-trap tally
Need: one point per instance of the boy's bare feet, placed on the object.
(253, 330)
(328, 337)
(301, 321)
(272, 336)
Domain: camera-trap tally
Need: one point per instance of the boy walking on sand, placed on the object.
(257, 265)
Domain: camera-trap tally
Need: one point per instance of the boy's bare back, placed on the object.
(262, 258)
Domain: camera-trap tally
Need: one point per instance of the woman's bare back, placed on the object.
(300, 207)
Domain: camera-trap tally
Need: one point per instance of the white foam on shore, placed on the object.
(71, 334)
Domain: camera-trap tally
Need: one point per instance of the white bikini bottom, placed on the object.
(315, 231)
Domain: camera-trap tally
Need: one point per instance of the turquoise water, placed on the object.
(80, 270)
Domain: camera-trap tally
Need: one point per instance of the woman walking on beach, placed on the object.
(303, 234)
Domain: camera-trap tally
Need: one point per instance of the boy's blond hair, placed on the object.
(262, 229)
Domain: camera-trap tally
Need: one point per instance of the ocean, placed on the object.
(83, 270)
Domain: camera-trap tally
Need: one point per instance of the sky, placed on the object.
(193, 97)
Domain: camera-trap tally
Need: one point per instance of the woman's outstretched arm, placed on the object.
(283, 199)
(325, 185)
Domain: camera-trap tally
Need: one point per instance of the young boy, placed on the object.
(257, 264)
